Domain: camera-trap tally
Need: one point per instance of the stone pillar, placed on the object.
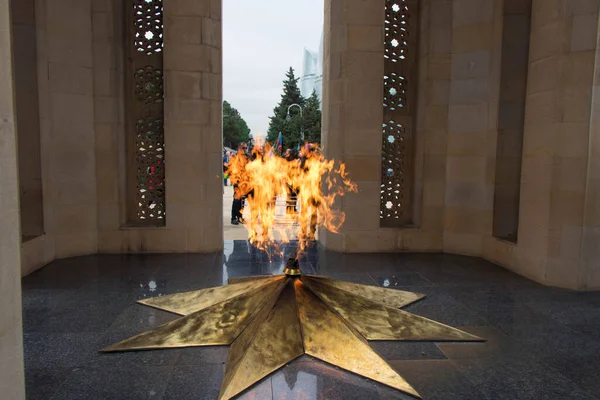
(193, 119)
(353, 116)
(12, 384)
(590, 254)
(110, 149)
(432, 130)
(558, 219)
(511, 117)
(27, 112)
(472, 124)
(68, 135)
(557, 150)
(193, 139)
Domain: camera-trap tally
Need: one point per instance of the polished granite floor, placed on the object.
(543, 343)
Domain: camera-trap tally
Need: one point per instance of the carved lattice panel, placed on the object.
(394, 91)
(148, 16)
(145, 113)
(150, 140)
(393, 166)
(149, 85)
(399, 96)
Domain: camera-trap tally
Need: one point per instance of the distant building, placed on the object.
(312, 72)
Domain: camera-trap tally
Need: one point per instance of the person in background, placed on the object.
(226, 158)
(291, 200)
(238, 197)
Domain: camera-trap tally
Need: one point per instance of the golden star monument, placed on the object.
(271, 320)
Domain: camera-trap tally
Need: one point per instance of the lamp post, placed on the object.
(288, 118)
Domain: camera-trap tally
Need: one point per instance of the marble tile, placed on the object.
(42, 383)
(401, 280)
(195, 382)
(437, 379)
(541, 342)
(115, 383)
(518, 378)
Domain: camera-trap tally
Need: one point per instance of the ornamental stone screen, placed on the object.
(399, 98)
(145, 112)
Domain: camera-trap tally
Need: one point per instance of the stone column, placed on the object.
(68, 135)
(573, 209)
(193, 139)
(353, 116)
(432, 127)
(193, 119)
(557, 146)
(472, 124)
(110, 149)
(28, 119)
(590, 254)
(558, 219)
(12, 385)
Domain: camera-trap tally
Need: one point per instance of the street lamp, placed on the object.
(288, 118)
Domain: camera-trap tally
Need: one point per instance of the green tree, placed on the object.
(235, 129)
(312, 119)
(290, 130)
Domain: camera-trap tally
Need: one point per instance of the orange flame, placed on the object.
(265, 176)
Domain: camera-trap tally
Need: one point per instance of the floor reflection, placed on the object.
(297, 384)
(543, 342)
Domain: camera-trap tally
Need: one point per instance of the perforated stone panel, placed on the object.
(399, 98)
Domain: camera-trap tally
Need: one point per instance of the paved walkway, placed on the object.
(239, 232)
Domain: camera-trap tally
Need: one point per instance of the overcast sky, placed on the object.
(261, 40)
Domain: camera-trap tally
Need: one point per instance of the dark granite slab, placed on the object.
(543, 343)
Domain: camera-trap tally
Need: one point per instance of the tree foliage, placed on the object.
(310, 120)
(235, 129)
(290, 130)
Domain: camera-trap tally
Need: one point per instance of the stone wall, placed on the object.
(590, 251)
(27, 113)
(80, 57)
(458, 163)
(353, 116)
(461, 113)
(557, 208)
(472, 124)
(65, 65)
(511, 117)
(192, 80)
(12, 383)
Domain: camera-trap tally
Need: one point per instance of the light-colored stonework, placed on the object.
(83, 137)
(77, 138)
(12, 381)
(457, 129)
(80, 72)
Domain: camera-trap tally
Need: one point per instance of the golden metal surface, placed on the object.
(189, 302)
(376, 321)
(240, 279)
(328, 338)
(292, 271)
(219, 324)
(271, 340)
(389, 297)
(271, 320)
